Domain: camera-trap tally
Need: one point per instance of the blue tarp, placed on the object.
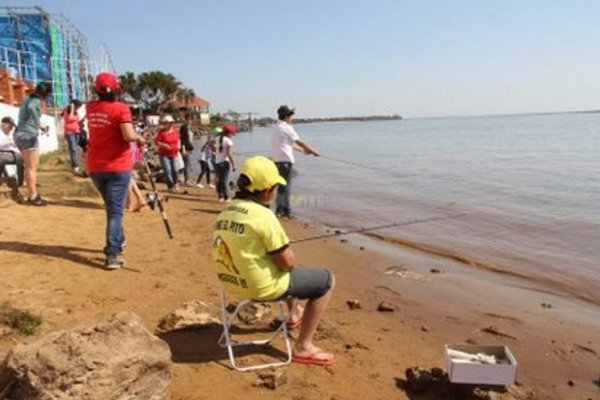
(30, 51)
(27, 33)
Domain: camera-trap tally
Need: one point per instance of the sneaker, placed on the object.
(114, 262)
(76, 171)
(210, 185)
(190, 184)
(37, 201)
(200, 186)
(221, 200)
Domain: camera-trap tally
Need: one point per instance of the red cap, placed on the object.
(229, 128)
(106, 82)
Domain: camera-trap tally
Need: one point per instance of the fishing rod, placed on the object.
(154, 199)
(374, 228)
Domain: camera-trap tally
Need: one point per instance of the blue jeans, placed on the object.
(73, 141)
(113, 188)
(223, 180)
(283, 191)
(169, 170)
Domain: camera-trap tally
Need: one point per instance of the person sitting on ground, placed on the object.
(254, 261)
(26, 137)
(168, 144)
(10, 157)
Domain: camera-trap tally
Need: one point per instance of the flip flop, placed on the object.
(318, 358)
(293, 325)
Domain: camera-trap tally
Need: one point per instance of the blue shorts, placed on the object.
(26, 142)
(308, 283)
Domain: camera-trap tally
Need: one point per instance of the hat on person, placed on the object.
(229, 128)
(167, 118)
(262, 173)
(284, 112)
(8, 120)
(217, 130)
(106, 82)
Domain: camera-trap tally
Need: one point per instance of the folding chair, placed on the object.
(226, 341)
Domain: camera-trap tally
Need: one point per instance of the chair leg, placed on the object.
(226, 342)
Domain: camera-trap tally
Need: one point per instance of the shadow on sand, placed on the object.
(199, 344)
(77, 204)
(65, 252)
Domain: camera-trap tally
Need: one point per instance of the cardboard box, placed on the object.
(478, 373)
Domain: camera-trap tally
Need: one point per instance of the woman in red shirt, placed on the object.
(168, 144)
(109, 159)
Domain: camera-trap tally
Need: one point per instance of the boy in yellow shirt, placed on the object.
(254, 261)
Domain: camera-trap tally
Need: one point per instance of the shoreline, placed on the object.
(467, 301)
(52, 267)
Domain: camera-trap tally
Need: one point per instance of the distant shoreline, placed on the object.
(368, 118)
(348, 119)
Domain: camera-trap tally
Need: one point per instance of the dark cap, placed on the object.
(8, 120)
(284, 112)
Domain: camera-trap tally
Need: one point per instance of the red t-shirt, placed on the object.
(170, 137)
(108, 151)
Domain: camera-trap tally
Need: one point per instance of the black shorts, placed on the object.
(308, 283)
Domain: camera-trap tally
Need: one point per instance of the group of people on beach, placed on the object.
(254, 260)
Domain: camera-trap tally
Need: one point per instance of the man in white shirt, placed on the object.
(284, 141)
(10, 157)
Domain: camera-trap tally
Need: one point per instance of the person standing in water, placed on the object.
(284, 141)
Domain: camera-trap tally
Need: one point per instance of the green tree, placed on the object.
(129, 86)
(153, 90)
(186, 94)
(157, 89)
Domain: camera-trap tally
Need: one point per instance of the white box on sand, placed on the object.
(480, 365)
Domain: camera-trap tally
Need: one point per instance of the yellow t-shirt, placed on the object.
(245, 233)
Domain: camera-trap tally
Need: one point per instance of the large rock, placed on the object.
(116, 359)
(191, 313)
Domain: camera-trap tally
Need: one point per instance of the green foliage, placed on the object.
(21, 320)
(129, 85)
(153, 90)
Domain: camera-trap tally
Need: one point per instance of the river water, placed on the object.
(525, 188)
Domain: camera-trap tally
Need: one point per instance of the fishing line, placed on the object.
(354, 164)
(378, 227)
(343, 161)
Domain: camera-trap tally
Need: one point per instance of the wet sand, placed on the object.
(52, 265)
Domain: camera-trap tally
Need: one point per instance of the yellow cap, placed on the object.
(262, 172)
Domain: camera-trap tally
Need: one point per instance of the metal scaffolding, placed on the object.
(37, 46)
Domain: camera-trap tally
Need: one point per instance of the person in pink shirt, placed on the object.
(168, 144)
(72, 128)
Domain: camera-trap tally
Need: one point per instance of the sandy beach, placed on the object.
(52, 265)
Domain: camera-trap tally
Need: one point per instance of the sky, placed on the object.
(328, 58)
